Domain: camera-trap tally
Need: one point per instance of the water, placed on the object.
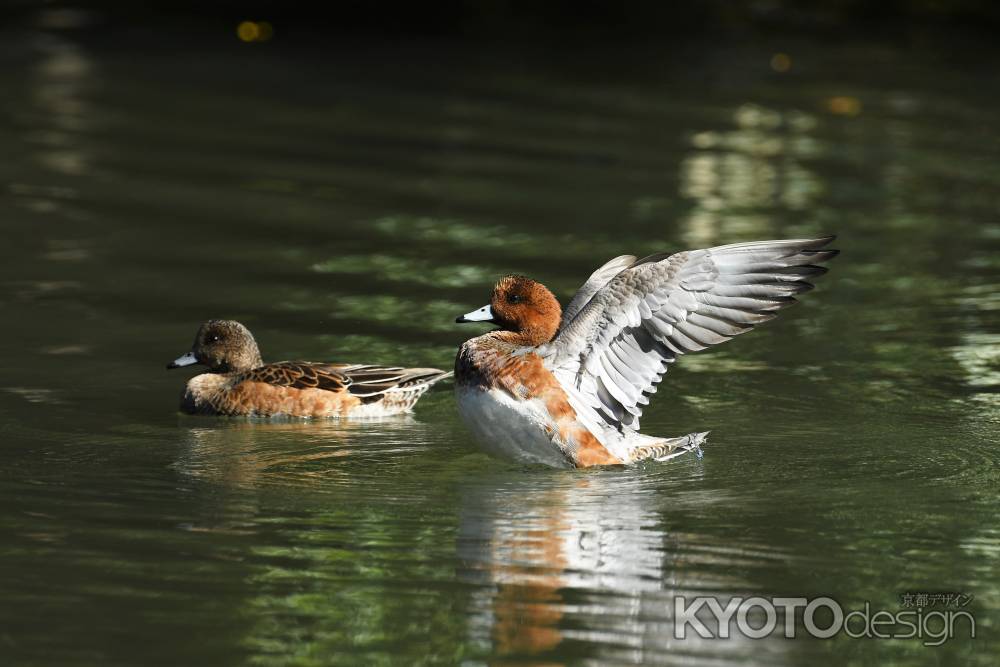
(346, 203)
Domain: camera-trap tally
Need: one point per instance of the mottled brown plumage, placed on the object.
(240, 384)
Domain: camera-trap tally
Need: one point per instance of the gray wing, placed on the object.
(618, 346)
(595, 282)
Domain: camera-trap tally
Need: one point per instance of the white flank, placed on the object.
(508, 428)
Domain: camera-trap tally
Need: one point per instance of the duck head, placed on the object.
(522, 306)
(224, 346)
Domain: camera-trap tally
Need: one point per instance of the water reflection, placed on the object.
(55, 114)
(499, 240)
(584, 564)
(758, 165)
(63, 79)
(248, 453)
(34, 394)
(978, 354)
(235, 461)
(418, 270)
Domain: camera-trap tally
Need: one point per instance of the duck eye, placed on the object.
(214, 338)
(516, 298)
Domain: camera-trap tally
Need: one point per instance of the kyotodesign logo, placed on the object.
(824, 617)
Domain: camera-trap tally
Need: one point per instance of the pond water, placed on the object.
(346, 202)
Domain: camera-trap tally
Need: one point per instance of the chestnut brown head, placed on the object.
(523, 306)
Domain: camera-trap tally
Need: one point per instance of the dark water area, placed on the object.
(346, 201)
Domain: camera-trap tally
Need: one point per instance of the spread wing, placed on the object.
(618, 346)
(362, 380)
(595, 282)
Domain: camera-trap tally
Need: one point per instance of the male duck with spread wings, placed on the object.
(567, 389)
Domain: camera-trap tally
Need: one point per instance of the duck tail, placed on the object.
(423, 377)
(664, 449)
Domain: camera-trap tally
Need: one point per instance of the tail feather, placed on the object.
(423, 376)
(402, 394)
(406, 380)
(664, 449)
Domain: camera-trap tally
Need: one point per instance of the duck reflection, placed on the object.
(533, 545)
(248, 453)
(565, 565)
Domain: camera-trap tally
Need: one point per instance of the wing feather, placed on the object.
(362, 380)
(617, 341)
(595, 282)
(299, 375)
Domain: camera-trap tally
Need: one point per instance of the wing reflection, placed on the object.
(583, 566)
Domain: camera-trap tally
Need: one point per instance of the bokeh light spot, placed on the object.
(781, 62)
(254, 31)
(248, 31)
(844, 105)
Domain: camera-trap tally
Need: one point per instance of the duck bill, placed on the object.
(484, 314)
(186, 360)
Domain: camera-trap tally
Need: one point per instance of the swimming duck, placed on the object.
(567, 388)
(238, 382)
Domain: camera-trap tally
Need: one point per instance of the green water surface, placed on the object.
(346, 203)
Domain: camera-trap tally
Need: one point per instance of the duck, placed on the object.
(239, 383)
(567, 387)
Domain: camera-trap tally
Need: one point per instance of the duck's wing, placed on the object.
(595, 282)
(362, 380)
(299, 375)
(617, 347)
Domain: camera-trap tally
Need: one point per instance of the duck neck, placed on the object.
(255, 360)
(528, 337)
(245, 361)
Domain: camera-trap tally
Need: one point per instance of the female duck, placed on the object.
(568, 388)
(238, 382)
